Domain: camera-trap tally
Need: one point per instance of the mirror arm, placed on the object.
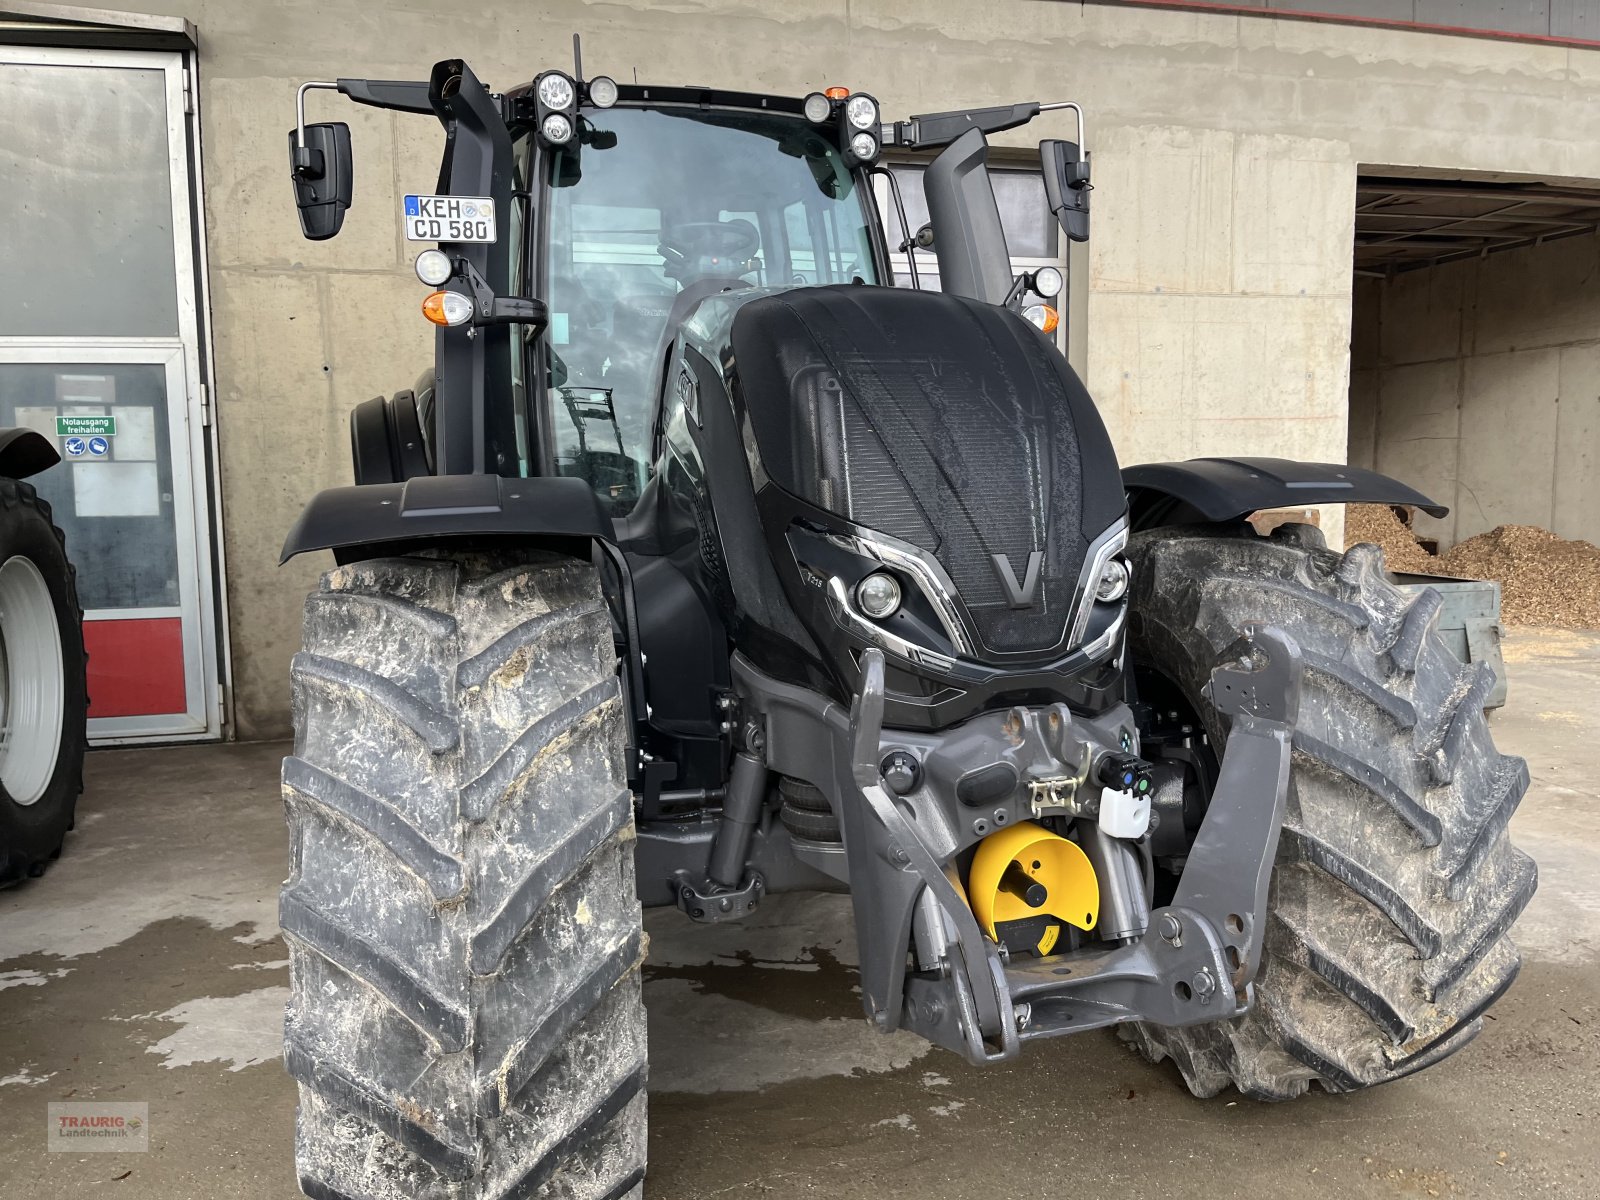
(942, 128)
(1083, 145)
(398, 95)
(300, 114)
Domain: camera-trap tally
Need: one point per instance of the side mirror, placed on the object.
(1066, 186)
(321, 169)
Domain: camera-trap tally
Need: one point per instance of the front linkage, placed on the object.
(1184, 963)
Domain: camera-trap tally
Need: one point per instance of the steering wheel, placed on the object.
(728, 244)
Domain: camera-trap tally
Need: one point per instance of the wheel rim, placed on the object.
(31, 691)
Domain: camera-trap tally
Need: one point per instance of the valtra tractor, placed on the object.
(706, 564)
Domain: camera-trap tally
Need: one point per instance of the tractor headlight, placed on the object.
(864, 146)
(602, 92)
(557, 129)
(878, 595)
(555, 90)
(861, 111)
(1113, 583)
(818, 108)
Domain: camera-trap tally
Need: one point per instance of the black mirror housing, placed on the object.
(322, 173)
(1066, 186)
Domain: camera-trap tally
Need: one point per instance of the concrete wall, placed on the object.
(1478, 382)
(1225, 153)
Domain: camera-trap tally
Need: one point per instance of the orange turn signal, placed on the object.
(836, 93)
(1042, 315)
(447, 308)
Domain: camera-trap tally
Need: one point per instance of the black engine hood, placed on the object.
(948, 424)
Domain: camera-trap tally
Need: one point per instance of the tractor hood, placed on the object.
(950, 425)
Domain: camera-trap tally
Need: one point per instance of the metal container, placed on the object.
(1469, 622)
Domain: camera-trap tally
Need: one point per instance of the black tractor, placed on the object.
(708, 564)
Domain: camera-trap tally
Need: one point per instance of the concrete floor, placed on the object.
(147, 966)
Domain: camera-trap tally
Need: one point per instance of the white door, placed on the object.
(100, 351)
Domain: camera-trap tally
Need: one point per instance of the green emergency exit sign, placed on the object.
(90, 426)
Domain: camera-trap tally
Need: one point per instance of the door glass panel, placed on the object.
(1033, 238)
(112, 494)
(1031, 232)
(87, 240)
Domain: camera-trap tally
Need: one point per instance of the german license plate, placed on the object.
(448, 218)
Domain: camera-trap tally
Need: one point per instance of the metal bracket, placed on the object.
(1201, 955)
(1194, 965)
(1058, 797)
(708, 904)
(878, 828)
(306, 163)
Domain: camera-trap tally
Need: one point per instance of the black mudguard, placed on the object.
(433, 508)
(1227, 489)
(25, 452)
(387, 441)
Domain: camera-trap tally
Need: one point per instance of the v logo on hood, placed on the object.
(1018, 595)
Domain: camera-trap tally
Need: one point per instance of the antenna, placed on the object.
(577, 58)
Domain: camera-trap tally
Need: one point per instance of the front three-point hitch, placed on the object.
(1189, 961)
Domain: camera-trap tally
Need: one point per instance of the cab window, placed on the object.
(650, 212)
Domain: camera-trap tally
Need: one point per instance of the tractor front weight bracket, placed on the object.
(964, 1010)
(1199, 957)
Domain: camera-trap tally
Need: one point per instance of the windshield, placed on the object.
(655, 210)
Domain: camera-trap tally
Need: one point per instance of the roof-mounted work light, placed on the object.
(602, 91)
(859, 127)
(556, 107)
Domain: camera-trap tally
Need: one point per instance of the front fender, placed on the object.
(25, 452)
(432, 508)
(1227, 489)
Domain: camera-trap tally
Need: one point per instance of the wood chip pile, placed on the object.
(1544, 579)
(1376, 523)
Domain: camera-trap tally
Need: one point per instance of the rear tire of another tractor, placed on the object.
(43, 693)
(1395, 882)
(465, 1018)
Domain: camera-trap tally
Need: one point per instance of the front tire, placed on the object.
(43, 694)
(465, 939)
(1395, 882)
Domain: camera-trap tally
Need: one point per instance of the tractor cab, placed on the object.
(648, 211)
(579, 222)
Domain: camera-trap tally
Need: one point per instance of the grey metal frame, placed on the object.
(1196, 960)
